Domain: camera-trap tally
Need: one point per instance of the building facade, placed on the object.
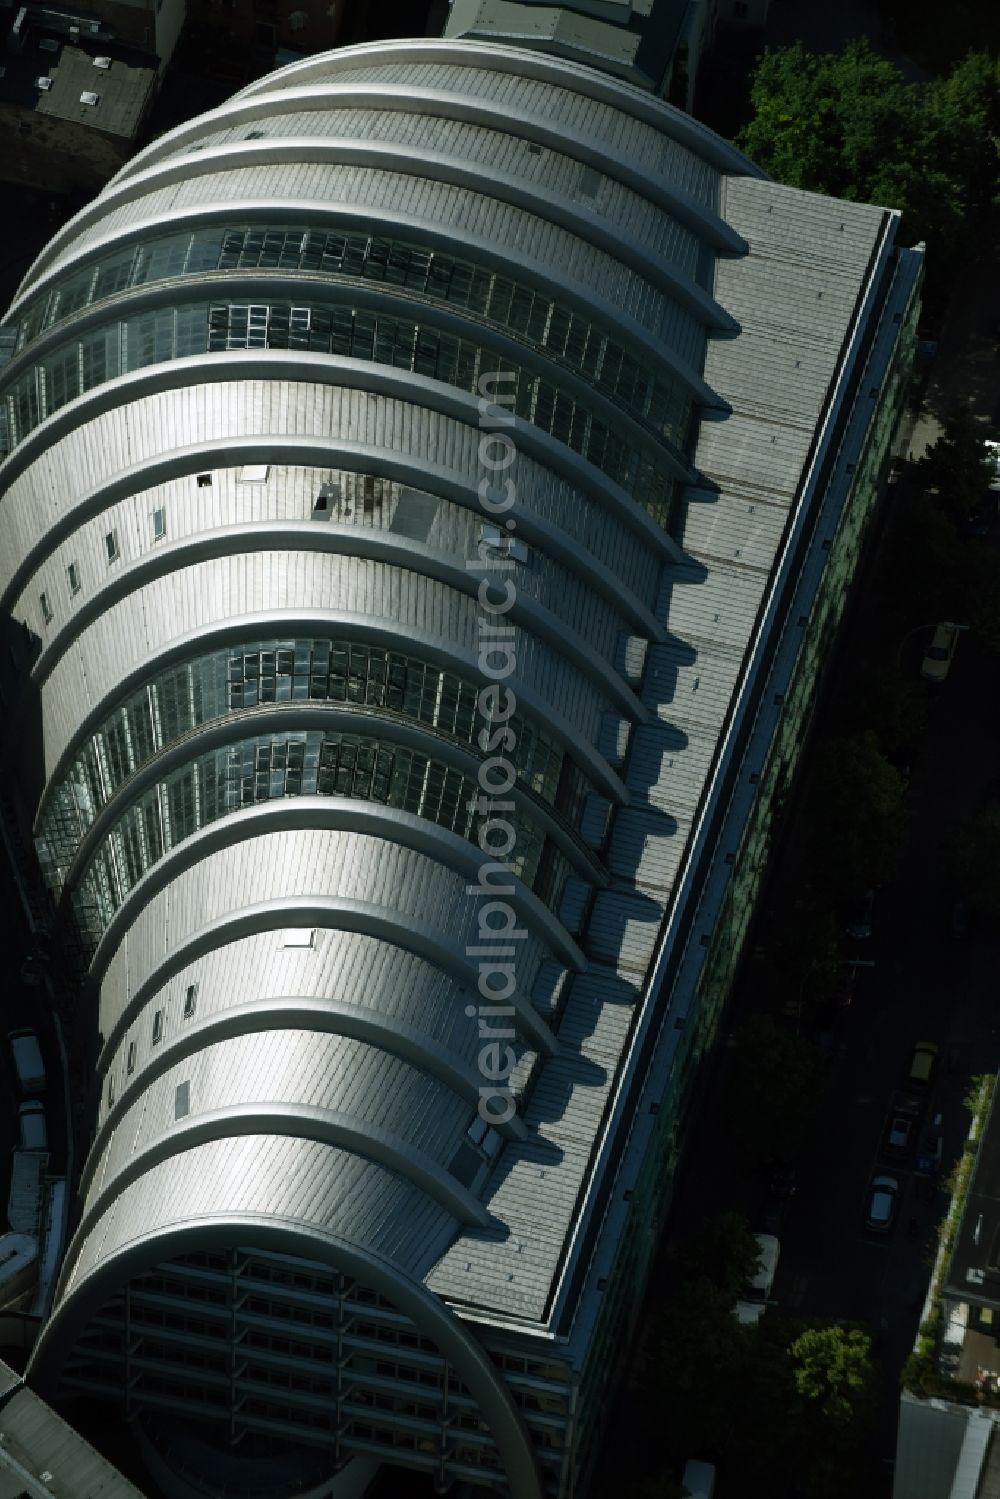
(431, 486)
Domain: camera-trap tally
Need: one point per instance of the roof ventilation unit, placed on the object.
(43, 83)
(102, 62)
(88, 98)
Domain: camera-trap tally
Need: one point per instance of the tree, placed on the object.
(725, 1251)
(855, 812)
(699, 1361)
(806, 954)
(927, 575)
(882, 699)
(774, 1090)
(958, 466)
(834, 1377)
(848, 124)
(975, 860)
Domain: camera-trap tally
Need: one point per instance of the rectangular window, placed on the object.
(182, 1100)
(46, 608)
(73, 574)
(298, 936)
(130, 1061)
(253, 473)
(157, 1027)
(159, 524)
(111, 1092)
(111, 544)
(190, 1001)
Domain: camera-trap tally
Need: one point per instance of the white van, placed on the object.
(699, 1479)
(31, 1117)
(753, 1303)
(28, 1062)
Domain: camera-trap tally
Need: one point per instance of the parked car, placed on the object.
(881, 1204)
(699, 1479)
(858, 916)
(753, 1302)
(931, 1148)
(923, 1063)
(900, 1136)
(937, 661)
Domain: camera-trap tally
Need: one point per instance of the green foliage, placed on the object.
(916, 26)
(700, 1354)
(774, 1090)
(975, 860)
(958, 466)
(725, 1251)
(977, 1100)
(926, 576)
(855, 813)
(882, 699)
(847, 124)
(834, 1376)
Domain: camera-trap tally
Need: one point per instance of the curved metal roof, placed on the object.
(170, 337)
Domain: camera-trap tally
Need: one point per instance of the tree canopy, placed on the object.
(774, 1090)
(725, 1251)
(975, 860)
(882, 699)
(848, 124)
(855, 811)
(958, 467)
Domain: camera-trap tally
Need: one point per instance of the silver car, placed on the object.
(881, 1204)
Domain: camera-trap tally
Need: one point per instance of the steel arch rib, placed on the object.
(326, 453)
(343, 541)
(589, 83)
(468, 109)
(343, 815)
(208, 286)
(321, 1015)
(302, 717)
(349, 374)
(341, 213)
(331, 913)
(304, 1121)
(589, 228)
(77, 1303)
(353, 626)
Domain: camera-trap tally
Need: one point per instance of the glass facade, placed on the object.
(273, 766)
(299, 1361)
(459, 282)
(243, 676)
(166, 333)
